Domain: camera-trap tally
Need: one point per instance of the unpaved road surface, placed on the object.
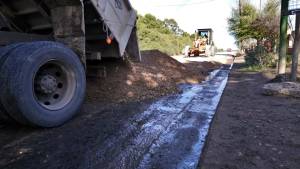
(164, 133)
(155, 76)
(253, 131)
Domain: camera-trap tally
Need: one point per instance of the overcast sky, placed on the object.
(194, 14)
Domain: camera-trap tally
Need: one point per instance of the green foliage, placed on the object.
(240, 23)
(289, 59)
(263, 26)
(220, 50)
(251, 58)
(267, 23)
(165, 35)
(251, 23)
(260, 57)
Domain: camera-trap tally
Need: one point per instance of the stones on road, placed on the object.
(282, 89)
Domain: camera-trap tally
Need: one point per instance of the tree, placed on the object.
(172, 25)
(240, 23)
(267, 23)
(250, 23)
(163, 35)
(150, 21)
(247, 22)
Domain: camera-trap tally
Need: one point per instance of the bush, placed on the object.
(251, 58)
(260, 57)
(289, 59)
(165, 35)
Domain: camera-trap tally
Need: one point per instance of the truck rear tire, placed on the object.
(43, 84)
(4, 52)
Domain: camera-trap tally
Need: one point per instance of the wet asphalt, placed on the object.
(171, 132)
(167, 133)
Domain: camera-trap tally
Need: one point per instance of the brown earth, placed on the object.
(157, 75)
(79, 142)
(253, 131)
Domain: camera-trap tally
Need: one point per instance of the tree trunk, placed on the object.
(283, 37)
(296, 49)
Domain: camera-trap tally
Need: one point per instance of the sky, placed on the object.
(195, 14)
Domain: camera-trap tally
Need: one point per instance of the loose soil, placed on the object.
(157, 75)
(253, 131)
(101, 121)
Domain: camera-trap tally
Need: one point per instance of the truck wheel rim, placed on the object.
(54, 85)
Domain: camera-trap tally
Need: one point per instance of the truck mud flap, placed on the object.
(132, 48)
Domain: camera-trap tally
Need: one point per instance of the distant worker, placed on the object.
(197, 43)
(187, 50)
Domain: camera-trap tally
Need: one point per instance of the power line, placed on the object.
(182, 4)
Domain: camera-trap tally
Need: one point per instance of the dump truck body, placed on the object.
(36, 17)
(53, 36)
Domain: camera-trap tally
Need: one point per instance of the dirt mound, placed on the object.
(157, 75)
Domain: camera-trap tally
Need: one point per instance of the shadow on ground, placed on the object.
(251, 130)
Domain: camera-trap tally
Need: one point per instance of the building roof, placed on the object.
(204, 30)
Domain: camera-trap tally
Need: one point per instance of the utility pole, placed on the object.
(283, 37)
(240, 7)
(296, 49)
(240, 14)
(259, 5)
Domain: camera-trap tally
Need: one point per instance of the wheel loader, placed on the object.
(44, 49)
(203, 43)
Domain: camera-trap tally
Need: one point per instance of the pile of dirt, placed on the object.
(157, 75)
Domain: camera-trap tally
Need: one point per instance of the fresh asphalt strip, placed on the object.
(169, 134)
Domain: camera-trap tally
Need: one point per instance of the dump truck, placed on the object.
(203, 43)
(45, 48)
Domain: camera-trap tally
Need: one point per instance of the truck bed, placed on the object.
(34, 17)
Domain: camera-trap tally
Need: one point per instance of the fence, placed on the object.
(294, 7)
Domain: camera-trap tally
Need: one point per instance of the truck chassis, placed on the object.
(44, 49)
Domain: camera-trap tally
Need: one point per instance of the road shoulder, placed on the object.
(250, 130)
